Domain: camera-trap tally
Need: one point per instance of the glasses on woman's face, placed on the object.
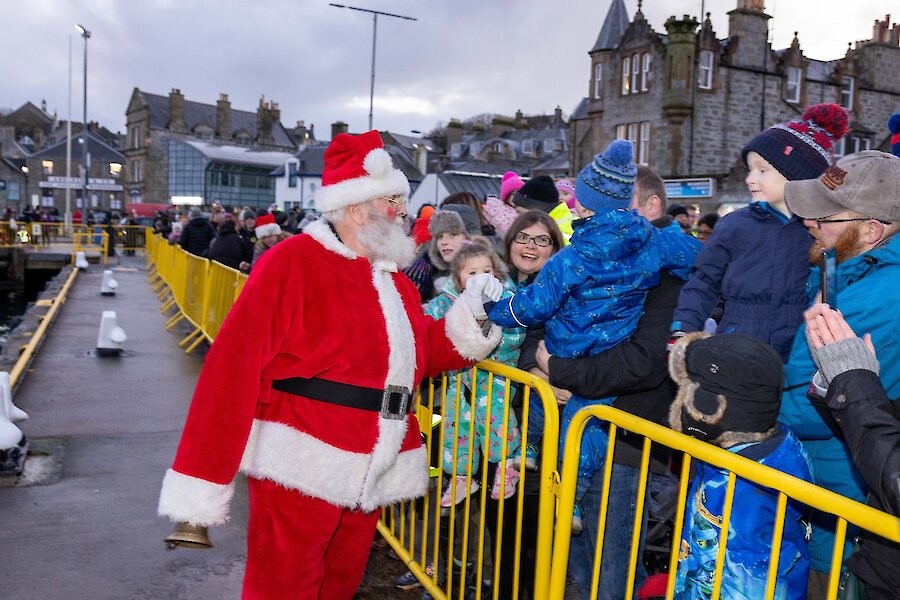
(539, 240)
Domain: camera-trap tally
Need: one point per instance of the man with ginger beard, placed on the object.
(331, 342)
(854, 207)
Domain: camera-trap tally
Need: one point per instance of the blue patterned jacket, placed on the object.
(591, 293)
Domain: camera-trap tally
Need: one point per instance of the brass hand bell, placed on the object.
(187, 535)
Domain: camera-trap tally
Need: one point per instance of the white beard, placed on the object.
(384, 239)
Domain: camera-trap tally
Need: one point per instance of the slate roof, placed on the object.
(479, 184)
(98, 148)
(240, 155)
(614, 26)
(197, 113)
(581, 111)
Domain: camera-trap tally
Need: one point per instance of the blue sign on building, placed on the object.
(690, 188)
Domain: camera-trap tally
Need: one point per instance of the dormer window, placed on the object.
(792, 81)
(477, 147)
(848, 89)
(528, 147)
(498, 147)
(456, 150)
(705, 70)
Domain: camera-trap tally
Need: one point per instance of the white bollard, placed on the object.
(111, 336)
(7, 408)
(108, 285)
(81, 262)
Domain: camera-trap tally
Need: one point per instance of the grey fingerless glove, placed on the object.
(844, 356)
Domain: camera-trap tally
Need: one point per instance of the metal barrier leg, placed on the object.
(174, 321)
(190, 337)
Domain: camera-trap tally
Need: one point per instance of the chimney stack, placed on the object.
(338, 128)
(176, 111)
(223, 117)
(264, 122)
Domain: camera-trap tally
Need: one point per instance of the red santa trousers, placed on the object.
(300, 547)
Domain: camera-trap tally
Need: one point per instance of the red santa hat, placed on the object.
(358, 169)
(266, 225)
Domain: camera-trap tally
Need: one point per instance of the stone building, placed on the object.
(180, 148)
(529, 145)
(689, 99)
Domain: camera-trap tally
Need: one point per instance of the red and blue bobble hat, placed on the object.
(358, 169)
(894, 127)
(804, 148)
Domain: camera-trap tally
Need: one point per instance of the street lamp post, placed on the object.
(84, 124)
(374, 14)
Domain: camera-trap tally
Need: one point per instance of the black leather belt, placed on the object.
(393, 402)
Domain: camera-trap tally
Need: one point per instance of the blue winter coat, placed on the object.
(758, 264)
(868, 296)
(677, 249)
(590, 294)
(750, 531)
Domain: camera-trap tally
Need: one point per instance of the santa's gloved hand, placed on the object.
(481, 288)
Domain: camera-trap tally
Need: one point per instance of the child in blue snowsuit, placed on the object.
(590, 295)
(729, 395)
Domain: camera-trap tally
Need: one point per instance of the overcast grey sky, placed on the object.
(461, 58)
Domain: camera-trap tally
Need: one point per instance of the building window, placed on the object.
(137, 170)
(134, 136)
(528, 147)
(705, 72)
(644, 143)
(633, 133)
(598, 79)
(635, 72)
(292, 174)
(792, 84)
(115, 169)
(860, 144)
(848, 85)
(456, 150)
(498, 147)
(839, 148)
(645, 72)
(48, 167)
(621, 132)
(476, 148)
(626, 78)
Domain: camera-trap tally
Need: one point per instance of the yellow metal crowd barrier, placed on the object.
(453, 550)
(203, 291)
(783, 487)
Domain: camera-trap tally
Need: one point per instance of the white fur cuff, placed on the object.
(192, 500)
(465, 332)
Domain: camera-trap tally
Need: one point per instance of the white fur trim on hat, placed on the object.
(382, 180)
(267, 230)
(188, 499)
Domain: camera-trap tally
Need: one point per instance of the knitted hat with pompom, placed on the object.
(608, 182)
(894, 127)
(804, 148)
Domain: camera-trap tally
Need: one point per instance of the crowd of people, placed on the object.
(714, 327)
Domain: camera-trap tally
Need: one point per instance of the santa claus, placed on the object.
(308, 387)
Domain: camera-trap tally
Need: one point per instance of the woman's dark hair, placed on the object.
(528, 219)
(466, 199)
(709, 219)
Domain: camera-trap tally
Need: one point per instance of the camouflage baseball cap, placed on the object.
(865, 182)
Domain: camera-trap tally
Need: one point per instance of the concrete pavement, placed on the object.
(103, 432)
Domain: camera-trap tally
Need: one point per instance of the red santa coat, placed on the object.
(313, 308)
